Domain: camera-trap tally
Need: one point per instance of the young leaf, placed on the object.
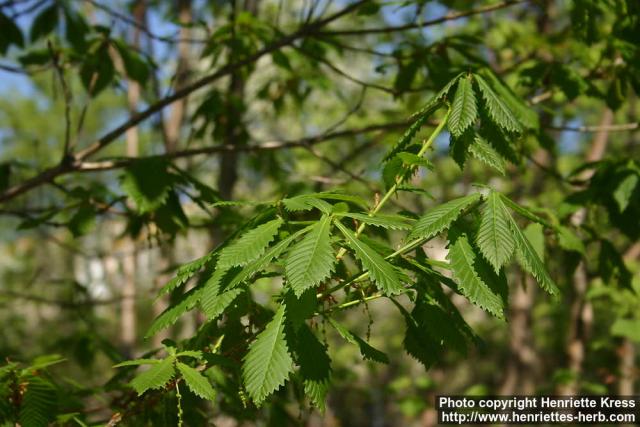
(38, 402)
(45, 22)
(464, 110)
(311, 260)
(254, 267)
(462, 258)
(529, 259)
(196, 382)
(494, 238)
(483, 151)
(384, 274)
(155, 377)
(268, 363)
(498, 110)
(441, 217)
(249, 246)
(393, 222)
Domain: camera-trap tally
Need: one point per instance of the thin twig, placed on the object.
(66, 167)
(412, 26)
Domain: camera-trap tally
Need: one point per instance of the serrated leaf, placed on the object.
(526, 213)
(173, 313)
(311, 260)
(306, 202)
(184, 273)
(463, 110)
(38, 402)
(214, 305)
(390, 221)
(249, 246)
(411, 159)
(267, 365)
(483, 151)
(494, 237)
(366, 350)
(315, 366)
(497, 108)
(155, 377)
(137, 362)
(462, 259)
(529, 259)
(383, 274)
(441, 217)
(419, 120)
(263, 262)
(196, 382)
(526, 116)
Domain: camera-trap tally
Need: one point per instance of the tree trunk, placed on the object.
(581, 311)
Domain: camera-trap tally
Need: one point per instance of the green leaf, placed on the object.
(525, 115)
(45, 22)
(462, 259)
(315, 366)
(135, 67)
(184, 273)
(529, 259)
(383, 274)
(214, 305)
(306, 202)
(569, 241)
(97, 70)
(263, 262)
(624, 190)
(267, 365)
(411, 159)
(393, 222)
(148, 183)
(441, 217)
(366, 350)
(196, 382)
(155, 377)
(83, 220)
(498, 110)
(494, 237)
(137, 362)
(628, 328)
(410, 133)
(38, 403)
(464, 110)
(249, 246)
(172, 314)
(483, 151)
(311, 260)
(9, 34)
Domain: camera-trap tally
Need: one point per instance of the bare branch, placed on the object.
(71, 164)
(416, 25)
